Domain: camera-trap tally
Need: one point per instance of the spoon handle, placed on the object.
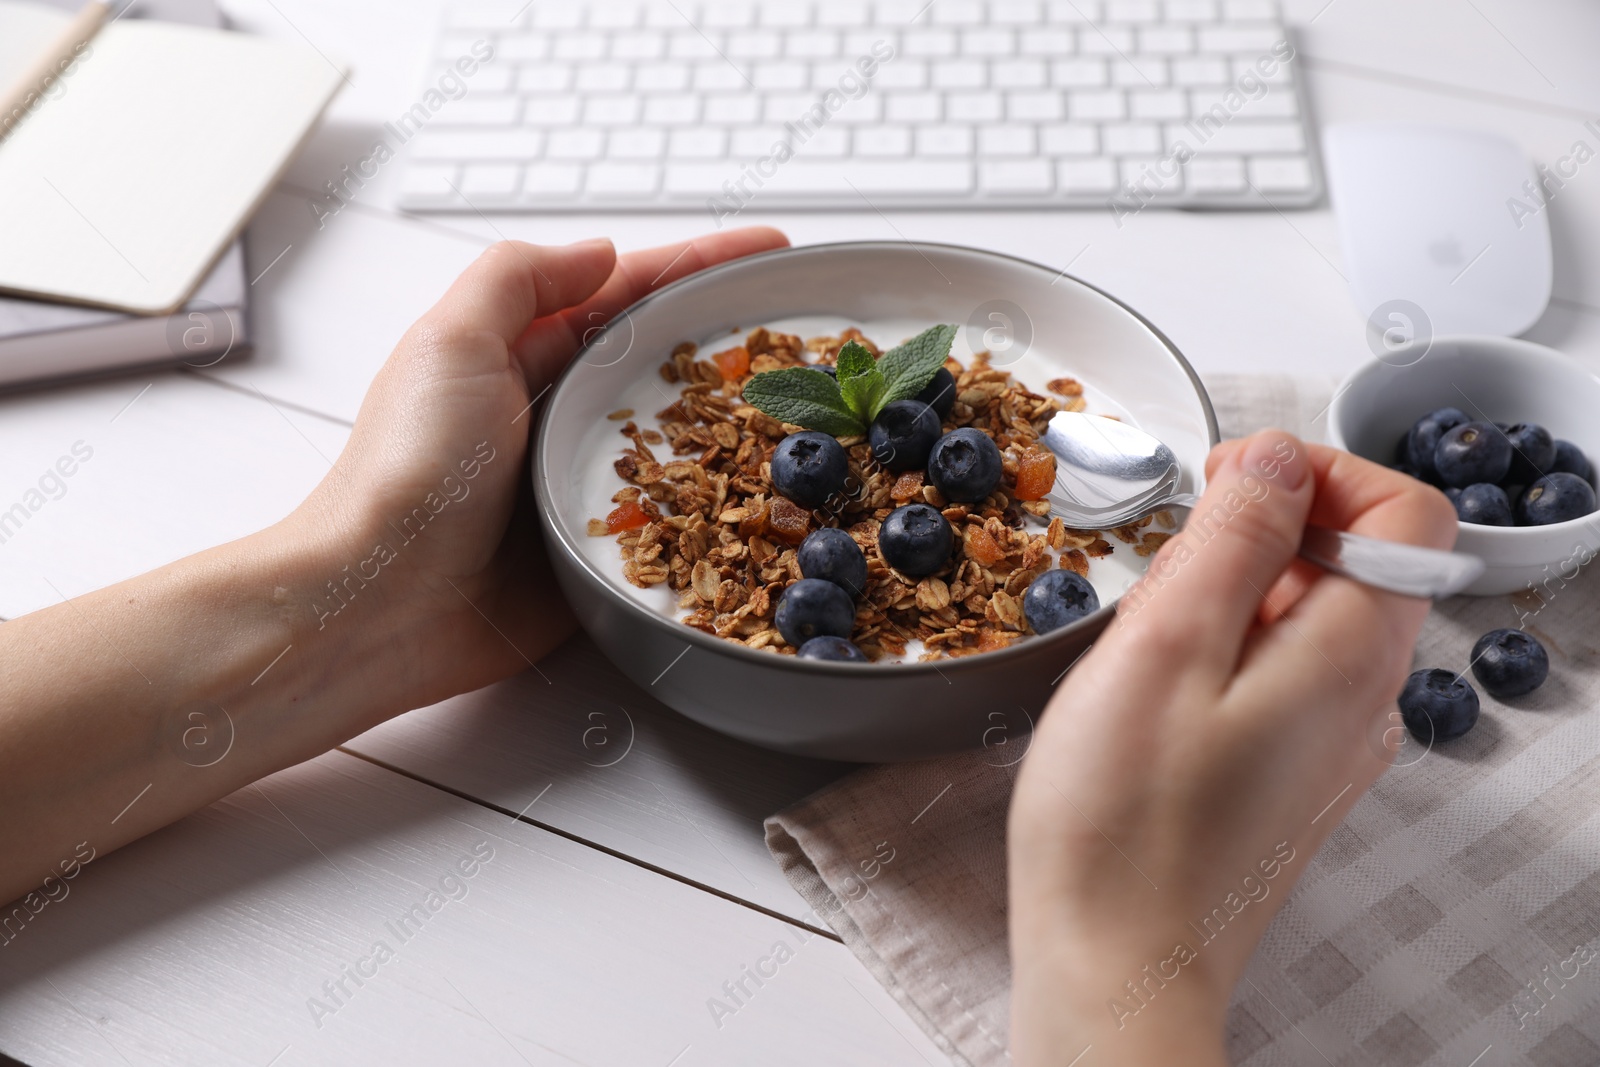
(1409, 570)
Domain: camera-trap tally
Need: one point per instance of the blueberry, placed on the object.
(903, 434)
(1509, 663)
(1571, 460)
(1058, 598)
(965, 465)
(1472, 452)
(1452, 494)
(833, 556)
(940, 393)
(1533, 451)
(1438, 705)
(827, 368)
(1424, 438)
(809, 467)
(811, 608)
(1555, 498)
(1485, 505)
(915, 540)
(836, 649)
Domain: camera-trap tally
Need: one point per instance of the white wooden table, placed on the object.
(625, 895)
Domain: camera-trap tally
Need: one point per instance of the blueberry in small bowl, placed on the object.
(832, 555)
(1438, 705)
(831, 649)
(916, 540)
(1533, 452)
(1058, 598)
(809, 467)
(965, 465)
(1485, 505)
(1509, 663)
(811, 608)
(903, 434)
(1424, 437)
(1555, 498)
(1471, 453)
(1571, 460)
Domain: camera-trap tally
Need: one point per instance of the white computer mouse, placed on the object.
(1451, 222)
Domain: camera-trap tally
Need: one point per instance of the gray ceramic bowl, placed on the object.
(1040, 324)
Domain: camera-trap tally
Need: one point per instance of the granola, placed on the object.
(699, 514)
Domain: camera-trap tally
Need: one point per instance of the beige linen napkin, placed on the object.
(1453, 919)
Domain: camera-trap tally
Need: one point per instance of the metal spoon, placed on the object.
(1111, 473)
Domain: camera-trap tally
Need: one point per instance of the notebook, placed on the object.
(136, 171)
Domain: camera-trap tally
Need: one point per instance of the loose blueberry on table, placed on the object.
(965, 465)
(1438, 705)
(832, 555)
(916, 540)
(903, 434)
(811, 608)
(809, 467)
(835, 649)
(1509, 663)
(1058, 598)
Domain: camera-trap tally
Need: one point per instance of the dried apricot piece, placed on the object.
(787, 521)
(1036, 473)
(980, 547)
(734, 363)
(628, 516)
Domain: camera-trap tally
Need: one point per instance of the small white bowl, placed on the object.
(1495, 379)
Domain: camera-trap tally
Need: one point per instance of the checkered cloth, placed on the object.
(1453, 919)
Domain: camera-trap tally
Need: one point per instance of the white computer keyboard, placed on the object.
(726, 104)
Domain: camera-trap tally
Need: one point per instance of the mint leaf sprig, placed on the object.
(806, 397)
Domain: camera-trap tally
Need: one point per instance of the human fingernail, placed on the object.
(1278, 457)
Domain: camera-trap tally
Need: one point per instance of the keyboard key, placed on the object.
(973, 107)
(1242, 137)
(575, 144)
(691, 44)
(636, 143)
(704, 143)
(842, 14)
(1240, 38)
(873, 178)
(494, 79)
(813, 44)
(519, 142)
(637, 46)
(661, 78)
(1047, 41)
(1066, 139)
(550, 111)
(1073, 12)
(612, 110)
(481, 111)
(1287, 175)
(1199, 71)
(928, 43)
(914, 107)
(960, 74)
(1095, 107)
(958, 13)
(1131, 140)
(544, 78)
(902, 74)
(522, 47)
(720, 76)
(1012, 177)
(753, 141)
(830, 141)
(725, 15)
(1136, 11)
(557, 16)
(1151, 175)
(1215, 174)
(1141, 72)
(731, 110)
(1159, 104)
(1166, 40)
(1078, 73)
(674, 110)
(944, 141)
(1105, 41)
(1192, 11)
(781, 77)
(1007, 141)
(1086, 176)
(754, 44)
(623, 179)
(1046, 106)
(551, 181)
(786, 15)
(579, 46)
(614, 15)
(883, 141)
(785, 107)
(1027, 13)
(1020, 74)
(989, 43)
(1241, 10)
(696, 180)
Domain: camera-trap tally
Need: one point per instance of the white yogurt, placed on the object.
(604, 444)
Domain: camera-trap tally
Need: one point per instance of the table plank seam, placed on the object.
(256, 394)
(1339, 66)
(614, 853)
